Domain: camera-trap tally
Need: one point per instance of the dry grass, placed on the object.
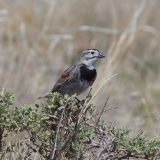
(39, 38)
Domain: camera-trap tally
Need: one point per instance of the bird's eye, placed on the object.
(92, 52)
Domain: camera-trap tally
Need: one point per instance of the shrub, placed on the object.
(65, 128)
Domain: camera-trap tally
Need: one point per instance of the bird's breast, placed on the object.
(87, 74)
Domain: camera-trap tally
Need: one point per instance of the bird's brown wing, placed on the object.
(64, 79)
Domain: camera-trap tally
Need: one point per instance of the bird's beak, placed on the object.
(101, 55)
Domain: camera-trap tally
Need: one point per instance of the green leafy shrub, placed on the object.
(62, 127)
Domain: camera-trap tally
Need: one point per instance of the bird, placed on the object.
(80, 76)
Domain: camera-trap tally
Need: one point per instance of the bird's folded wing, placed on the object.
(66, 76)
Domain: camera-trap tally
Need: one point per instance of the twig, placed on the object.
(137, 15)
(89, 92)
(127, 156)
(100, 115)
(1, 136)
(31, 147)
(104, 148)
(99, 29)
(111, 109)
(71, 137)
(49, 16)
(53, 152)
(97, 91)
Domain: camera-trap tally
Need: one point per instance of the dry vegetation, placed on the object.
(39, 38)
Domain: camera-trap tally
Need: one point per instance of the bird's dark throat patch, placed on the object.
(87, 74)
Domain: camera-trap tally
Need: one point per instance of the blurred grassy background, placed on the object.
(40, 38)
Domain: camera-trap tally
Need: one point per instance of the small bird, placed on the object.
(79, 77)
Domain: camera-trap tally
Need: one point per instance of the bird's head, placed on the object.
(90, 56)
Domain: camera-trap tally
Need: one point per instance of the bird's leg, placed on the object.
(83, 100)
(78, 100)
(89, 93)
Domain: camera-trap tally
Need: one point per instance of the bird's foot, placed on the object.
(80, 101)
